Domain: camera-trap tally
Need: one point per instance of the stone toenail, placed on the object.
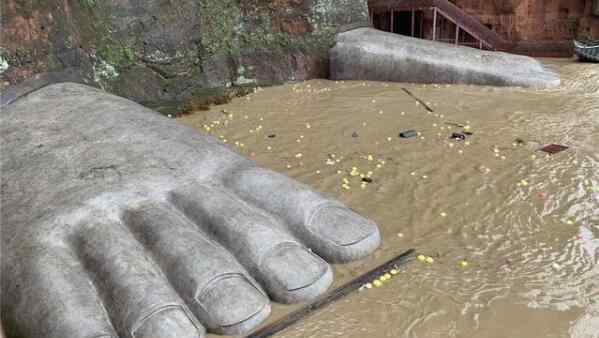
(168, 322)
(232, 300)
(340, 225)
(294, 267)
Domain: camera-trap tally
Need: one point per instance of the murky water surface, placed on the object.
(526, 223)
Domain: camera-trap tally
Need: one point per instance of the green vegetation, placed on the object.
(88, 3)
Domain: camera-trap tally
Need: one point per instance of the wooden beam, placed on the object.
(434, 23)
(413, 21)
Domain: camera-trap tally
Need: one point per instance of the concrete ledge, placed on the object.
(370, 54)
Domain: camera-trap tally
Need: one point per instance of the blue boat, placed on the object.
(587, 50)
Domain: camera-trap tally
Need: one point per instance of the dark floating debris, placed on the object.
(458, 136)
(469, 133)
(519, 141)
(408, 133)
(354, 134)
(553, 148)
(272, 136)
(367, 179)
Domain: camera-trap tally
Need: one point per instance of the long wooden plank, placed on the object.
(332, 296)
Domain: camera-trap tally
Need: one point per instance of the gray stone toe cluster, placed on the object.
(119, 222)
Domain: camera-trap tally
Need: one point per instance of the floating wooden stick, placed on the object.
(332, 296)
(418, 100)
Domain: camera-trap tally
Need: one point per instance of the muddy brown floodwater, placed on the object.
(513, 232)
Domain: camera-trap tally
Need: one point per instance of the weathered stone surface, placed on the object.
(369, 54)
(119, 222)
(162, 50)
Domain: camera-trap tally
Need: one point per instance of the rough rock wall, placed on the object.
(536, 20)
(157, 50)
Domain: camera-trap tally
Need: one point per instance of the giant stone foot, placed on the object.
(370, 54)
(118, 222)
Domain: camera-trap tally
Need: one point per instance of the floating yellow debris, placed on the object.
(370, 158)
(299, 155)
(308, 126)
(345, 180)
(394, 272)
(318, 172)
(377, 283)
(268, 148)
(381, 112)
(389, 138)
(430, 260)
(421, 258)
(288, 166)
(570, 222)
(346, 186)
(443, 214)
(463, 263)
(368, 285)
(368, 174)
(524, 183)
(387, 276)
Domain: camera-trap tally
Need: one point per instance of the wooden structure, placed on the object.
(467, 30)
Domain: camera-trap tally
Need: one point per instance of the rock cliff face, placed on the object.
(536, 20)
(157, 50)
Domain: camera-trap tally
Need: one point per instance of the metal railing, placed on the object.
(453, 13)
